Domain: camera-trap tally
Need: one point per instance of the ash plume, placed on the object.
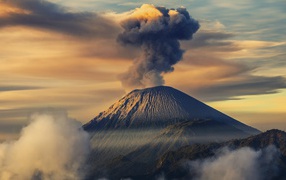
(156, 31)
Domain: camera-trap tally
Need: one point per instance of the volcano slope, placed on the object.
(158, 107)
(147, 123)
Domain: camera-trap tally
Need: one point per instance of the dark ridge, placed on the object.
(171, 162)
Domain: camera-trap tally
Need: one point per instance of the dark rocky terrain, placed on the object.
(171, 163)
(148, 162)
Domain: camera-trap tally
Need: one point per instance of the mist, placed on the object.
(242, 164)
(51, 147)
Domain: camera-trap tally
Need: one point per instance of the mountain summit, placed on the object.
(137, 130)
(158, 107)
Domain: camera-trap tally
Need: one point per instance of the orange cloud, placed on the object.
(6, 10)
(43, 54)
(146, 11)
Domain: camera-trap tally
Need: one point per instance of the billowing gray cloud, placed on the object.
(50, 16)
(157, 31)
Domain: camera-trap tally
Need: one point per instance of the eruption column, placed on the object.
(157, 31)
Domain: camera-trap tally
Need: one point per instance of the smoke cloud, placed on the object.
(157, 31)
(51, 147)
(241, 164)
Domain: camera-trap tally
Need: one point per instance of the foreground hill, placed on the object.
(172, 162)
(149, 161)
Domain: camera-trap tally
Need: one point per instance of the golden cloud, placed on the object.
(6, 10)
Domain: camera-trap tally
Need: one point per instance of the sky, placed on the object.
(64, 56)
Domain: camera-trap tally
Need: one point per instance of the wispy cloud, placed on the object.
(50, 16)
(225, 68)
(17, 88)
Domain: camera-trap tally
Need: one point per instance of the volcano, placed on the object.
(135, 131)
(159, 107)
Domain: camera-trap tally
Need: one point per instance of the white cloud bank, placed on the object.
(241, 164)
(51, 147)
